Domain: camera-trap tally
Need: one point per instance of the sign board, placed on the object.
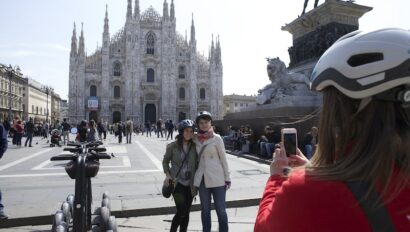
(92, 103)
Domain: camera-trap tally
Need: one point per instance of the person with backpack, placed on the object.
(66, 131)
(358, 179)
(129, 125)
(120, 131)
(182, 156)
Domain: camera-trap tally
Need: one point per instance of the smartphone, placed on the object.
(290, 140)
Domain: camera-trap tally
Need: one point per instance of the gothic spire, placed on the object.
(172, 10)
(137, 10)
(192, 29)
(129, 10)
(74, 42)
(81, 49)
(106, 27)
(212, 49)
(165, 13)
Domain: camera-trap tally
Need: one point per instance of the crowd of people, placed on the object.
(356, 177)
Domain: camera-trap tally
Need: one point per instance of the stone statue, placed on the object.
(305, 5)
(282, 83)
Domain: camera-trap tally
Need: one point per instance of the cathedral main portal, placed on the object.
(150, 113)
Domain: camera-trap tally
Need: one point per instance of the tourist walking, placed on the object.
(129, 125)
(66, 131)
(3, 149)
(29, 128)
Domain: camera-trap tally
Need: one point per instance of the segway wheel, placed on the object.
(112, 224)
(105, 218)
(106, 202)
(66, 208)
(70, 200)
(62, 227)
(57, 220)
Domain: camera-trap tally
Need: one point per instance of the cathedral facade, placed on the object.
(146, 71)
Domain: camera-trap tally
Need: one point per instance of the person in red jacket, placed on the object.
(359, 176)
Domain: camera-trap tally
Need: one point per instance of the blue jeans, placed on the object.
(29, 138)
(308, 151)
(267, 149)
(1, 204)
(218, 194)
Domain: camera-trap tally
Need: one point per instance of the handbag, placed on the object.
(168, 190)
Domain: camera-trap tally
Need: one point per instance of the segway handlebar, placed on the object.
(63, 157)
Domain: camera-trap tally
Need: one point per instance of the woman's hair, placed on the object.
(92, 124)
(180, 137)
(369, 145)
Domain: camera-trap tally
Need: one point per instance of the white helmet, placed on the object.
(363, 65)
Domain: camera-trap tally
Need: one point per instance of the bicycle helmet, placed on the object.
(185, 124)
(203, 115)
(366, 65)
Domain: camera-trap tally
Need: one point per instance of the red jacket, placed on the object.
(302, 204)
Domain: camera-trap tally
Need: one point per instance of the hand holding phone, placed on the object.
(290, 140)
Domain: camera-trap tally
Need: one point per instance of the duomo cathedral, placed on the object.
(146, 71)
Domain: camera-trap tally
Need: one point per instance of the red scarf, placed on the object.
(202, 137)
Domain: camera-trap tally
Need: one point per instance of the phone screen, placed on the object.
(290, 143)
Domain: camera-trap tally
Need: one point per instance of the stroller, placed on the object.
(55, 138)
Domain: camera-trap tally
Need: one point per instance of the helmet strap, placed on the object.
(400, 94)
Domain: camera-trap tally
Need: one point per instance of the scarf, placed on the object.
(205, 135)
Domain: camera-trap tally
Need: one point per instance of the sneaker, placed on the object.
(30, 146)
(3, 216)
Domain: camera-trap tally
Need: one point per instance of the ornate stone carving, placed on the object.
(282, 83)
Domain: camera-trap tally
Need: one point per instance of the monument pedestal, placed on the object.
(314, 32)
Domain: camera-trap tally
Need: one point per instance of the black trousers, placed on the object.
(183, 201)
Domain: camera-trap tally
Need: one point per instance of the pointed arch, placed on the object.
(150, 43)
(202, 94)
(117, 69)
(182, 93)
(150, 75)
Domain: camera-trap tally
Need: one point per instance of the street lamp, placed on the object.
(47, 90)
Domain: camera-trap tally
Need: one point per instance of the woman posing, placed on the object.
(183, 158)
(359, 179)
(212, 175)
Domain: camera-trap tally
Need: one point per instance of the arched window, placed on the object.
(181, 72)
(202, 94)
(93, 91)
(36, 109)
(117, 69)
(41, 110)
(117, 91)
(150, 75)
(32, 109)
(182, 93)
(150, 43)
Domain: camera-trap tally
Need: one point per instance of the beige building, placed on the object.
(37, 102)
(234, 103)
(55, 107)
(11, 81)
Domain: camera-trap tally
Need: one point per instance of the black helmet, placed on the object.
(203, 115)
(186, 123)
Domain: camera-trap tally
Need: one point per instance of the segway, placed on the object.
(75, 213)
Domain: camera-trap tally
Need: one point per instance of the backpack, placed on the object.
(128, 126)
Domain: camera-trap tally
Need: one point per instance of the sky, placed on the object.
(36, 34)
